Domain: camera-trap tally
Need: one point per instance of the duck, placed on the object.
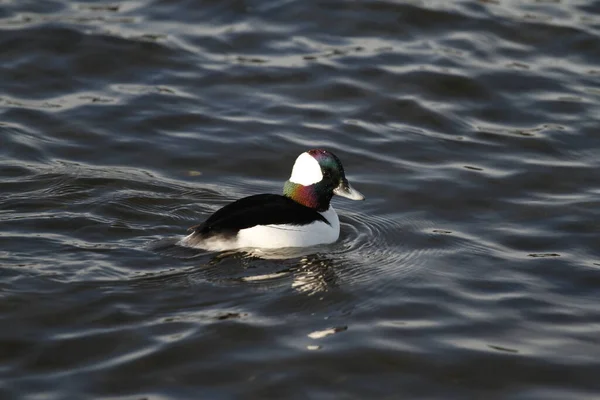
(300, 217)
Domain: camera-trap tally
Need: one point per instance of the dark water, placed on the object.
(471, 271)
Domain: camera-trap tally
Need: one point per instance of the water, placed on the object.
(471, 271)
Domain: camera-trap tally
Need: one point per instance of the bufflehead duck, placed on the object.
(301, 217)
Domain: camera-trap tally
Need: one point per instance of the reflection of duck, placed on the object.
(314, 275)
(306, 270)
(301, 217)
(311, 274)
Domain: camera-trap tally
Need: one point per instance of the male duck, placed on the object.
(301, 217)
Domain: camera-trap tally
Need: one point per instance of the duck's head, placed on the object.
(318, 175)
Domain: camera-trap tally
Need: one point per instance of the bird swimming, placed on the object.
(302, 216)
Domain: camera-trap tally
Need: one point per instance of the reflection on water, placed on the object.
(310, 275)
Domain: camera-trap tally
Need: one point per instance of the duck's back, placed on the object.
(264, 221)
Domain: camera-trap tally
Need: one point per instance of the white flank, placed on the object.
(279, 236)
(306, 170)
(275, 236)
(212, 244)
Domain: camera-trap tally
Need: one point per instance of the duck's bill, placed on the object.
(347, 191)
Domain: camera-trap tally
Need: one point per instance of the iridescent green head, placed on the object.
(318, 175)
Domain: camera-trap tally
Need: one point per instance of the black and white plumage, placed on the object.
(301, 217)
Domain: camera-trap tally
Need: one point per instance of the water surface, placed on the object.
(471, 271)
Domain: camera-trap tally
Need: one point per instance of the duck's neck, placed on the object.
(313, 196)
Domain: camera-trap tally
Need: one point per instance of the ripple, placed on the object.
(471, 270)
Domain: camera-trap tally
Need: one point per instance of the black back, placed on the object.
(260, 209)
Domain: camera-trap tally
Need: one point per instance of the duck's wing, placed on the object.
(260, 209)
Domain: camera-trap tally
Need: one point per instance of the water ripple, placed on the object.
(471, 270)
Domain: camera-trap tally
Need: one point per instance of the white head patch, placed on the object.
(306, 170)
